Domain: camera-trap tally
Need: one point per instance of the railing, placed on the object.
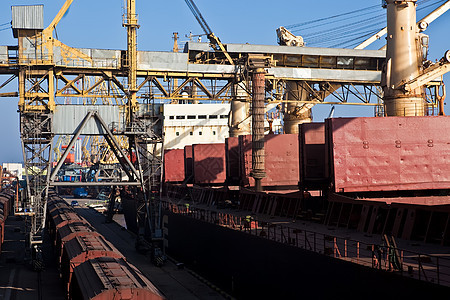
(426, 267)
(113, 63)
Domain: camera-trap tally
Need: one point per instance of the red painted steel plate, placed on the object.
(174, 165)
(232, 158)
(312, 151)
(209, 163)
(391, 153)
(281, 160)
(188, 164)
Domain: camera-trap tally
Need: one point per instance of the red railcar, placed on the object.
(83, 248)
(6, 204)
(70, 231)
(111, 278)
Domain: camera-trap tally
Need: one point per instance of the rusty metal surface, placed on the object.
(232, 160)
(258, 151)
(84, 248)
(111, 278)
(174, 165)
(312, 153)
(209, 163)
(281, 155)
(69, 217)
(70, 231)
(188, 164)
(388, 154)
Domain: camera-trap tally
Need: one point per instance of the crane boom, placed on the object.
(216, 44)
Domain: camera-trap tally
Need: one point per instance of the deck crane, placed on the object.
(215, 42)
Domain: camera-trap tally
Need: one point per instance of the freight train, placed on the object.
(375, 175)
(91, 267)
(7, 197)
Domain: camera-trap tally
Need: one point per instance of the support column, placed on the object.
(51, 90)
(240, 107)
(296, 113)
(403, 60)
(258, 162)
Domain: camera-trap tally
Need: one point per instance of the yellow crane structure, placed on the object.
(118, 97)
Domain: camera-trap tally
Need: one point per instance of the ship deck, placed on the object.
(419, 260)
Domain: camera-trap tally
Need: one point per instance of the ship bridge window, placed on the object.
(191, 133)
(171, 117)
(199, 133)
(191, 117)
(310, 61)
(328, 62)
(293, 60)
(345, 62)
(224, 116)
(213, 116)
(362, 63)
(202, 116)
(181, 117)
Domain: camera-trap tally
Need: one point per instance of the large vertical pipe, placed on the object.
(295, 114)
(240, 108)
(403, 60)
(258, 168)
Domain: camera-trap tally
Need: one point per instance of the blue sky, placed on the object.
(98, 24)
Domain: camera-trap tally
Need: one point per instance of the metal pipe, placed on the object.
(403, 60)
(258, 163)
(296, 112)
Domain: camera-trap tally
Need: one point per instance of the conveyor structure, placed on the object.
(118, 90)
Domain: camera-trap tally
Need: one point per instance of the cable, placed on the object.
(5, 28)
(331, 17)
(346, 27)
(331, 22)
(6, 23)
(347, 31)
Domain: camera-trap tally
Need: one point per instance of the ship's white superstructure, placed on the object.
(187, 124)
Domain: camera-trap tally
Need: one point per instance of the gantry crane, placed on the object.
(48, 71)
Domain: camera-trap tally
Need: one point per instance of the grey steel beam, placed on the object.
(115, 146)
(71, 144)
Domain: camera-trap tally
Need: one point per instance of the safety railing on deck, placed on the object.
(427, 267)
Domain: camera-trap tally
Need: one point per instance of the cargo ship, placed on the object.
(252, 194)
